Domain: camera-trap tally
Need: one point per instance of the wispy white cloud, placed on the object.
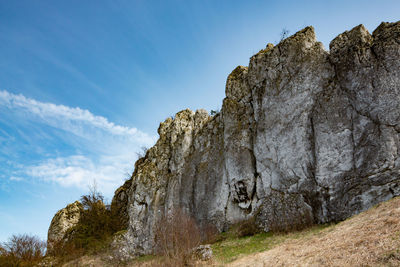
(102, 151)
(63, 114)
(80, 171)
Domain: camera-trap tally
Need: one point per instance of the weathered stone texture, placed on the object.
(304, 135)
(63, 220)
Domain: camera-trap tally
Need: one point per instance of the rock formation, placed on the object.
(304, 136)
(62, 221)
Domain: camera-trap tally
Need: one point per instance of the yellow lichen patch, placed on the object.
(148, 173)
(266, 49)
(185, 114)
(203, 166)
(164, 126)
(230, 105)
(237, 72)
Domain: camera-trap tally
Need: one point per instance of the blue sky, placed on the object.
(84, 84)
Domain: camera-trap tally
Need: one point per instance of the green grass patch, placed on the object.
(231, 248)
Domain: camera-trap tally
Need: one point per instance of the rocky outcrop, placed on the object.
(64, 219)
(304, 136)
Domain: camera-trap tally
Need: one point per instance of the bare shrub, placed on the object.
(175, 237)
(284, 34)
(22, 250)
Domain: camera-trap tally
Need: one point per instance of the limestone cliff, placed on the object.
(304, 135)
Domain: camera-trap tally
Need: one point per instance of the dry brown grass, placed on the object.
(87, 261)
(371, 238)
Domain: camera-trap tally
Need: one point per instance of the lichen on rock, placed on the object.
(62, 221)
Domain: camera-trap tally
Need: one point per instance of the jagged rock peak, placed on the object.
(181, 118)
(356, 38)
(306, 37)
(236, 84)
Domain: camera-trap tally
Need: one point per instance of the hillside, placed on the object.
(371, 238)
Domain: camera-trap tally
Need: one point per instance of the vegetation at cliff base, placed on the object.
(94, 231)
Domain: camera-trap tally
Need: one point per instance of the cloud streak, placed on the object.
(61, 112)
(98, 149)
(80, 171)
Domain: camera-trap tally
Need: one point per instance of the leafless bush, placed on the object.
(22, 250)
(176, 235)
(284, 34)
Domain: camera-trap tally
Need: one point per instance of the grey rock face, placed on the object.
(304, 135)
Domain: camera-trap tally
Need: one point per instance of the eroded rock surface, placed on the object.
(62, 221)
(304, 135)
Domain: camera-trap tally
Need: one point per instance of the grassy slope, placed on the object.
(233, 248)
(371, 238)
